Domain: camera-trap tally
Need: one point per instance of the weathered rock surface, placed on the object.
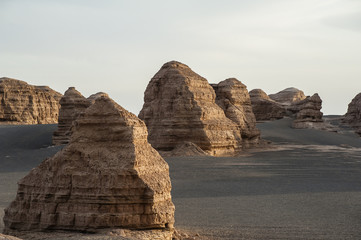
(7, 237)
(21, 103)
(233, 97)
(353, 115)
(73, 103)
(264, 108)
(179, 106)
(93, 97)
(107, 176)
(288, 96)
(184, 149)
(308, 112)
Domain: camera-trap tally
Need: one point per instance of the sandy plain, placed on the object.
(306, 185)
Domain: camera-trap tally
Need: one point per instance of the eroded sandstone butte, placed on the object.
(308, 112)
(264, 108)
(107, 176)
(233, 97)
(179, 106)
(353, 115)
(288, 96)
(22, 103)
(73, 103)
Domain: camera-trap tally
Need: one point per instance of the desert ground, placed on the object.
(306, 185)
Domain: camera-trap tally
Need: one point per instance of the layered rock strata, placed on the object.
(73, 103)
(308, 112)
(179, 106)
(93, 97)
(353, 115)
(264, 108)
(288, 96)
(21, 103)
(233, 97)
(107, 176)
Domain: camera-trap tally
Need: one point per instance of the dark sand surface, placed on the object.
(308, 187)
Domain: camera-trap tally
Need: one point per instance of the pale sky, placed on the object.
(117, 46)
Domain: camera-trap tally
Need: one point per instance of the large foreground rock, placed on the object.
(107, 176)
(179, 106)
(234, 99)
(73, 103)
(21, 103)
(264, 108)
(288, 96)
(353, 115)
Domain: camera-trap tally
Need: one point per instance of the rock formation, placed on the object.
(21, 103)
(288, 96)
(72, 105)
(233, 97)
(179, 106)
(353, 115)
(93, 97)
(7, 237)
(264, 108)
(107, 176)
(307, 112)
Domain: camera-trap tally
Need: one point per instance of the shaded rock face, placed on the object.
(264, 108)
(353, 115)
(307, 112)
(234, 99)
(179, 106)
(26, 104)
(73, 103)
(108, 176)
(288, 96)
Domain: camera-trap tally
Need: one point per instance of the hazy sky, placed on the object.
(117, 46)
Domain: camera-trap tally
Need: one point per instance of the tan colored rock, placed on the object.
(107, 176)
(308, 112)
(179, 106)
(7, 237)
(184, 149)
(73, 103)
(264, 108)
(21, 103)
(353, 115)
(234, 99)
(93, 97)
(288, 96)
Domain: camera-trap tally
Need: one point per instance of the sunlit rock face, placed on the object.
(308, 112)
(179, 106)
(353, 115)
(288, 96)
(264, 108)
(234, 99)
(21, 103)
(73, 103)
(107, 176)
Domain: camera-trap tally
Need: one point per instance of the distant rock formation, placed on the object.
(264, 108)
(233, 97)
(288, 96)
(353, 115)
(291, 102)
(93, 97)
(21, 103)
(308, 113)
(73, 103)
(179, 106)
(107, 176)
